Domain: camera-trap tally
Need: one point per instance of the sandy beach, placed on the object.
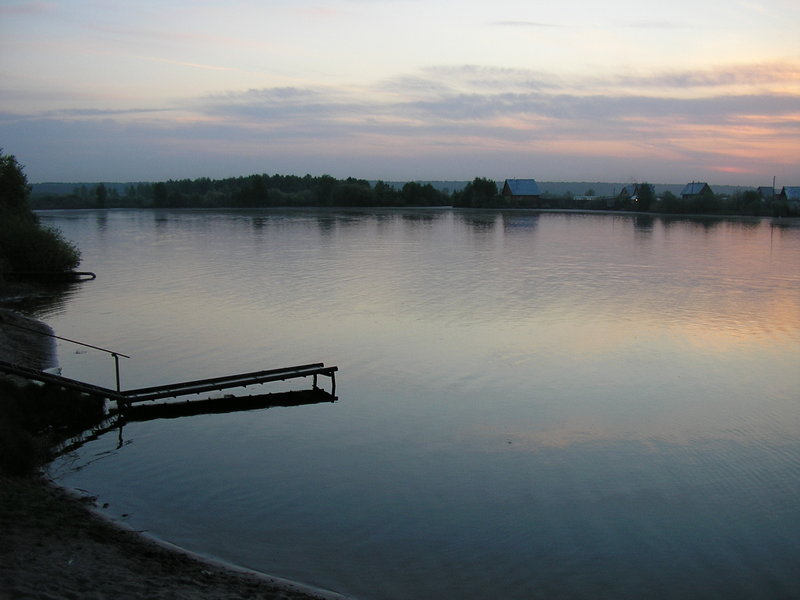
(54, 545)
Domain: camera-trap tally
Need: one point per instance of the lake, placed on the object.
(530, 405)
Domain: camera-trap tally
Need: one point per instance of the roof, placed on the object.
(523, 187)
(792, 192)
(626, 194)
(694, 188)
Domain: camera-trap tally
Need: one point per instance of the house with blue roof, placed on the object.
(791, 195)
(695, 189)
(520, 191)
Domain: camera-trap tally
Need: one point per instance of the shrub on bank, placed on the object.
(25, 245)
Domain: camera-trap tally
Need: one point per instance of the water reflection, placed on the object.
(44, 300)
(582, 404)
(515, 221)
(480, 220)
(118, 417)
(644, 223)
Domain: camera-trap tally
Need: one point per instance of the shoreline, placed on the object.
(57, 544)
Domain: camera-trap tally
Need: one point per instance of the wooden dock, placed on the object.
(175, 390)
(199, 386)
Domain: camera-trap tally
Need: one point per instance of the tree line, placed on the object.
(264, 191)
(252, 191)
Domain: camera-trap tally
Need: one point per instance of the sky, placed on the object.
(573, 90)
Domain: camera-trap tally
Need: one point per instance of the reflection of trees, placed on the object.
(792, 226)
(746, 224)
(420, 217)
(644, 223)
(518, 221)
(39, 300)
(706, 223)
(326, 223)
(480, 221)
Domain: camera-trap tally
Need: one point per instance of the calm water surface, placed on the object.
(530, 405)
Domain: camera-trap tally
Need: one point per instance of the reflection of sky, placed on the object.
(473, 303)
(742, 285)
(514, 390)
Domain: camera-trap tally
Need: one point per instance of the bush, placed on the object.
(25, 245)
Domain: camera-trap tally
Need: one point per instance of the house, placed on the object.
(695, 189)
(630, 195)
(767, 193)
(791, 195)
(521, 190)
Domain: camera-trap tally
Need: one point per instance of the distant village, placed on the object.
(260, 191)
(699, 194)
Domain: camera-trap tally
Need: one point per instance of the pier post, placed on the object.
(116, 365)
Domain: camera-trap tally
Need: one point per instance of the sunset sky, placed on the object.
(667, 92)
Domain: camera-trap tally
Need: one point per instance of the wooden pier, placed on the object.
(175, 390)
(200, 386)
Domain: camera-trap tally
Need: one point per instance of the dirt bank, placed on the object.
(53, 547)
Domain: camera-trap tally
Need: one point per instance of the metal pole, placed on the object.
(58, 337)
(116, 364)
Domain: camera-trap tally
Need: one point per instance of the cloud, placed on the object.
(26, 8)
(786, 73)
(193, 65)
(653, 24)
(100, 112)
(525, 24)
(469, 93)
(284, 106)
(481, 78)
(465, 111)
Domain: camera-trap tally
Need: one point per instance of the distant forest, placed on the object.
(260, 191)
(253, 191)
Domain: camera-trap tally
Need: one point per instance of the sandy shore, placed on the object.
(53, 546)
